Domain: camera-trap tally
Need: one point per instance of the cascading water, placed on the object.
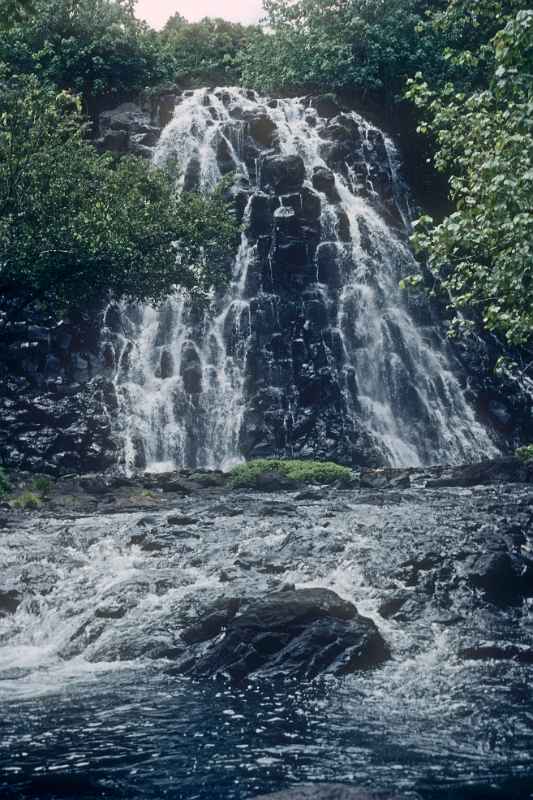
(313, 350)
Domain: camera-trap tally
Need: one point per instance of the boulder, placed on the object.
(497, 574)
(148, 137)
(324, 181)
(126, 117)
(283, 174)
(225, 160)
(484, 473)
(493, 652)
(329, 267)
(10, 600)
(213, 622)
(307, 205)
(166, 366)
(192, 379)
(291, 255)
(113, 142)
(95, 484)
(262, 128)
(296, 633)
(325, 105)
(391, 605)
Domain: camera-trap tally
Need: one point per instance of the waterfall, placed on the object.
(313, 350)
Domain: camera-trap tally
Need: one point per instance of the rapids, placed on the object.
(91, 707)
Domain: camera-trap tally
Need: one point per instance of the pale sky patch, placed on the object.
(156, 12)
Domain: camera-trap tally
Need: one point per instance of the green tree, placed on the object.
(95, 48)
(205, 52)
(76, 225)
(482, 253)
(13, 10)
(366, 46)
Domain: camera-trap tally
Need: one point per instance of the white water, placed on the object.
(407, 399)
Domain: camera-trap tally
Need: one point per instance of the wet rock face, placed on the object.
(299, 633)
(54, 398)
(283, 174)
(129, 129)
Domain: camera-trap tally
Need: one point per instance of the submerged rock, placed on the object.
(299, 633)
(497, 574)
(488, 652)
(10, 600)
(325, 791)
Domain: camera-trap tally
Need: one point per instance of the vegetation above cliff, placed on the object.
(75, 225)
(462, 68)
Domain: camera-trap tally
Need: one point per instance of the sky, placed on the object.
(156, 12)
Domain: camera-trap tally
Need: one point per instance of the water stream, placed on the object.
(91, 707)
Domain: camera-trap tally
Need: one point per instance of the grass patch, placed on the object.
(5, 486)
(525, 453)
(245, 476)
(149, 494)
(28, 501)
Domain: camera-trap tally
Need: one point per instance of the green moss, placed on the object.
(5, 486)
(324, 472)
(525, 453)
(28, 501)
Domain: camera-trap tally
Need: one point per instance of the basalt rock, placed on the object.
(283, 174)
(10, 599)
(324, 181)
(54, 396)
(494, 652)
(298, 633)
(128, 128)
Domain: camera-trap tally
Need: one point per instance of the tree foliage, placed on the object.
(13, 10)
(75, 225)
(366, 46)
(483, 251)
(92, 47)
(205, 52)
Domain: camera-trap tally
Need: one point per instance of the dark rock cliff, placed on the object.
(52, 402)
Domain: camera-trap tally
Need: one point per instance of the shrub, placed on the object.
(525, 453)
(325, 472)
(5, 486)
(28, 501)
(41, 485)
